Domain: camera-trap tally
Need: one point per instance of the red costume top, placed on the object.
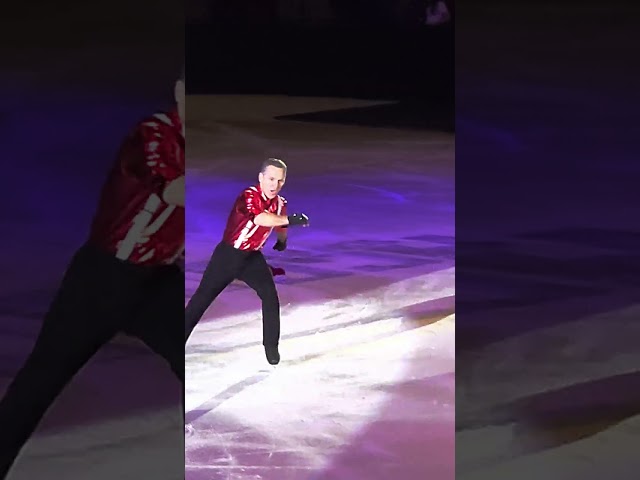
(240, 231)
(133, 222)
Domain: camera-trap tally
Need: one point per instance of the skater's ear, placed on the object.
(179, 91)
(179, 94)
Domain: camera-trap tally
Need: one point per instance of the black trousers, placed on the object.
(226, 265)
(99, 297)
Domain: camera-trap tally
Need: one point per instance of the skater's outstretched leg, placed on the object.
(223, 266)
(54, 361)
(79, 322)
(158, 319)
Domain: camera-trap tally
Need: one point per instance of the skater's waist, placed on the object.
(232, 249)
(99, 255)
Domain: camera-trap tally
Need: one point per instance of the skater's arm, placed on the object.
(266, 219)
(251, 206)
(282, 234)
(173, 193)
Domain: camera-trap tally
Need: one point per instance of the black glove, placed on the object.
(280, 245)
(298, 219)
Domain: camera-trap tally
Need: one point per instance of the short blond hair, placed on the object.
(273, 162)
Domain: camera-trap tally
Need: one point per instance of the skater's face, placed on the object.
(272, 180)
(179, 93)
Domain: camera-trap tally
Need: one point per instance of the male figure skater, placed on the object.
(256, 212)
(123, 279)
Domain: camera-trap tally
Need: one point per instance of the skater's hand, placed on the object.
(281, 245)
(298, 219)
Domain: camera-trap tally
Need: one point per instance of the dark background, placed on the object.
(367, 50)
(546, 237)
